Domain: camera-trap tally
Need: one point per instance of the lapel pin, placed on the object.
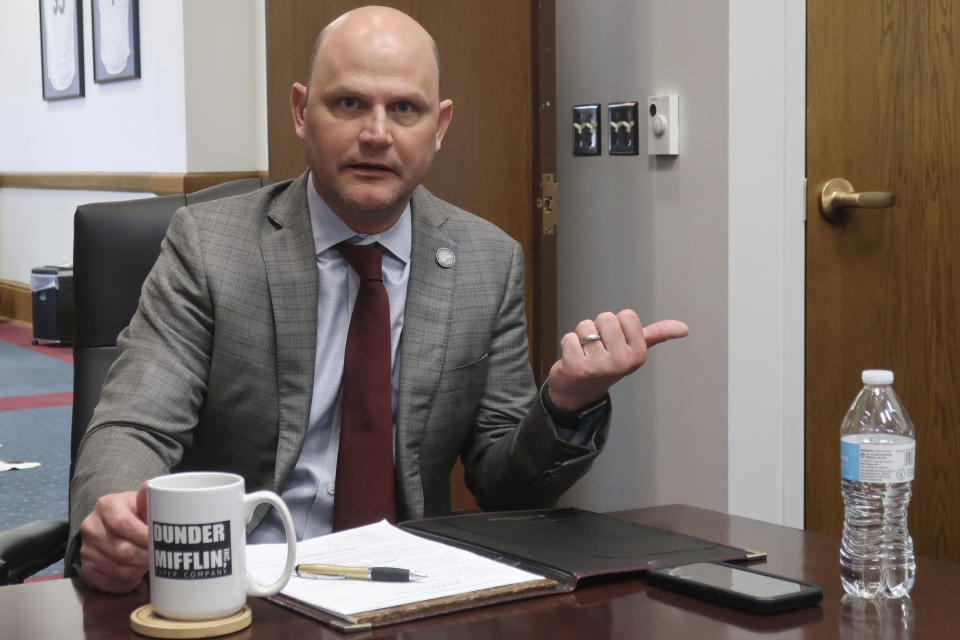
(446, 257)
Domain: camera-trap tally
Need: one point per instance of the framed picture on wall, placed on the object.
(61, 49)
(116, 40)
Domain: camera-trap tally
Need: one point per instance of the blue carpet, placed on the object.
(24, 372)
(34, 435)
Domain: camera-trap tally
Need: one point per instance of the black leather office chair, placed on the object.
(114, 247)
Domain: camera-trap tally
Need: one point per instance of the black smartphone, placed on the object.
(738, 587)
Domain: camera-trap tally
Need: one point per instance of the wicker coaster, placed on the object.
(144, 620)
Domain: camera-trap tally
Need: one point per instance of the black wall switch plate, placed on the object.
(623, 128)
(586, 130)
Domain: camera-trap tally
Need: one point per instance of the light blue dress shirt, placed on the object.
(309, 495)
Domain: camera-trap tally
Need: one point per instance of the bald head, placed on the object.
(375, 22)
(372, 119)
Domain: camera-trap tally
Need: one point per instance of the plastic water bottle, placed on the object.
(877, 455)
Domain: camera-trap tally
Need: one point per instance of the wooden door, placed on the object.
(883, 286)
(497, 65)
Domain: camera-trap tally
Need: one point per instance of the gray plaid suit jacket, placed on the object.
(215, 370)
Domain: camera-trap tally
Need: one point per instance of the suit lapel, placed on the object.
(288, 255)
(426, 323)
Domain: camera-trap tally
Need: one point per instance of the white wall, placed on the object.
(651, 234)
(766, 259)
(135, 125)
(223, 49)
(714, 237)
(200, 105)
(43, 233)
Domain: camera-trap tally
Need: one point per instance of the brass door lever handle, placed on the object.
(838, 194)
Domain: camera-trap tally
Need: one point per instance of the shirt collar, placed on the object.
(329, 230)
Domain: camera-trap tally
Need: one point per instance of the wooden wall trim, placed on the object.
(159, 183)
(16, 302)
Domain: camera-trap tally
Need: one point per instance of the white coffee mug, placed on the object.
(198, 541)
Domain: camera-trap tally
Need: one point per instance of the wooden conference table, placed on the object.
(623, 607)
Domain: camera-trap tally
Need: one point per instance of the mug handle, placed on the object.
(250, 501)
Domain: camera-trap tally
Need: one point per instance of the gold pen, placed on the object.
(380, 574)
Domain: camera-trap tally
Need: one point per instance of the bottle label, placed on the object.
(866, 462)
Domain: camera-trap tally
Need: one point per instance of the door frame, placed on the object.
(766, 205)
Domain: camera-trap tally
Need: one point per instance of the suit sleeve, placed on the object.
(152, 395)
(514, 458)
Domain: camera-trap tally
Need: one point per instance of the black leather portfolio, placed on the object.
(565, 545)
(568, 544)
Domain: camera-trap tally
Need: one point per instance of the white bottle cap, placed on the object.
(877, 376)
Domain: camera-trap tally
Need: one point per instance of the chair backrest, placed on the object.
(114, 247)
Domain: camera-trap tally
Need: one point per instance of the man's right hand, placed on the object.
(114, 554)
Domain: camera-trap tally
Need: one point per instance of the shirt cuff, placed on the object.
(576, 427)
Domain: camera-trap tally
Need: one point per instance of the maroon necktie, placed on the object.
(364, 485)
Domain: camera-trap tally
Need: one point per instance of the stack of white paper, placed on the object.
(450, 571)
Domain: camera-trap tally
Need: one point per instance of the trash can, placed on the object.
(52, 291)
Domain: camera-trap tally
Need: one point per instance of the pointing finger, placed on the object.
(664, 330)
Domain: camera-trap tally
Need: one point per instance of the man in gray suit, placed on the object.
(234, 358)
